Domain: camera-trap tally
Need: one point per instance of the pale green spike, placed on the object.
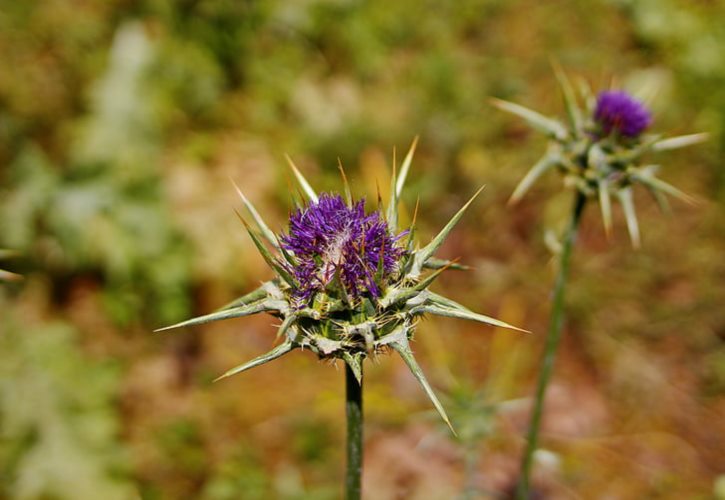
(8, 276)
(680, 141)
(538, 121)
(266, 254)
(445, 301)
(355, 364)
(253, 296)
(265, 230)
(585, 90)
(402, 346)
(287, 256)
(301, 179)
(236, 312)
(630, 156)
(605, 204)
(567, 92)
(288, 321)
(391, 215)
(427, 252)
(404, 168)
(546, 162)
(661, 200)
(428, 280)
(346, 185)
(630, 215)
(659, 185)
(435, 263)
(399, 295)
(275, 353)
(452, 312)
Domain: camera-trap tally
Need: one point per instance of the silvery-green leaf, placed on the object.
(346, 185)
(605, 204)
(628, 156)
(264, 229)
(404, 168)
(428, 280)
(301, 179)
(548, 161)
(660, 199)
(396, 186)
(567, 92)
(445, 301)
(396, 295)
(355, 364)
(275, 353)
(391, 214)
(235, 312)
(630, 215)
(327, 346)
(585, 90)
(288, 321)
(552, 242)
(267, 255)
(8, 276)
(402, 347)
(680, 141)
(396, 335)
(253, 296)
(659, 185)
(435, 263)
(453, 312)
(538, 121)
(427, 252)
(291, 260)
(596, 158)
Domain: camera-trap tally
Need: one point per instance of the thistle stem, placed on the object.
(354, 411)
(553, 337)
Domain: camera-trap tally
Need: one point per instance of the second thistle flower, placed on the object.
(600, 148)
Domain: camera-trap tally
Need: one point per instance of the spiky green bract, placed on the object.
(336, 323)
(599, 149)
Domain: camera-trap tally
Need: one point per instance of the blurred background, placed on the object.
(121, 123)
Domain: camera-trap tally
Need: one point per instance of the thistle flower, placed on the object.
(337, 243)
(348, 286)
(617, 111)
(599, 150)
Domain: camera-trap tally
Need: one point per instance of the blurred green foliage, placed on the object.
(120, 123)
(59, 424)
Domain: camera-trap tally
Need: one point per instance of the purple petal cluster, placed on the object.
(620, 112)
(332, 241)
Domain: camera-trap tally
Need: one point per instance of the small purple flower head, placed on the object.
(620, 112)
(330, 239)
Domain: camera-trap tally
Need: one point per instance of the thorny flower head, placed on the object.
(619, 112)
(599, 149)
(348, 286)
(333, 240)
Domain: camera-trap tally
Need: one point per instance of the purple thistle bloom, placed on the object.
(618, 111)
(330, 239)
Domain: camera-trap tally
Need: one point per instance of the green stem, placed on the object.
(553, 337)
(354, 410)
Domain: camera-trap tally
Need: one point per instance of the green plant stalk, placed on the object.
(354, 411)
(553, 337)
